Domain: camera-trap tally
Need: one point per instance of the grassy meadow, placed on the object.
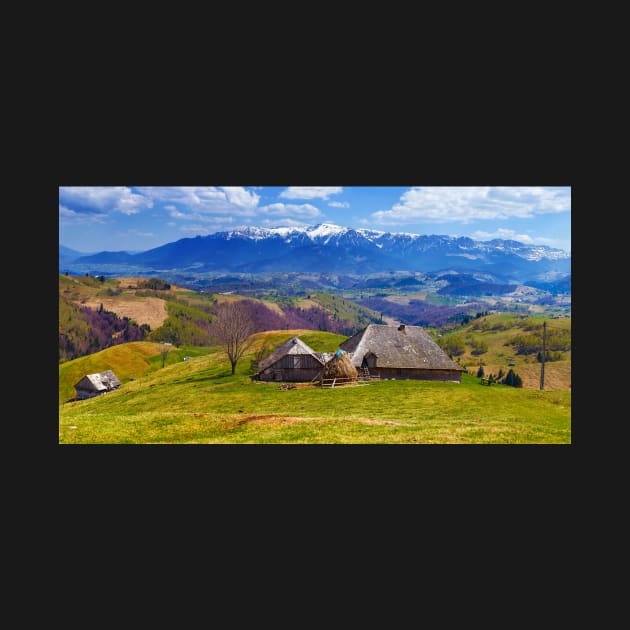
(199, 402)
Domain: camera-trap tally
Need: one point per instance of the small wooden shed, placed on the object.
(292, 361)
(96, 384)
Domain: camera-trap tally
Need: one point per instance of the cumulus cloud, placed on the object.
(240, 197)
(310, 192)
(71, 217)
(339, 204)
(193, 200)
(305, 210)
(100, 200)
(463, 204)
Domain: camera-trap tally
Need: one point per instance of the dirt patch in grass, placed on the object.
(277, 419)
(385, 423)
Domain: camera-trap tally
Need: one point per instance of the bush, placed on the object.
(478, 347)
(154, 283)
(513, 379)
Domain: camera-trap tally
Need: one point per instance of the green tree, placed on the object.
(513, 379)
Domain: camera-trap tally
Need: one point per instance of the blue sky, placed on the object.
(137, 218)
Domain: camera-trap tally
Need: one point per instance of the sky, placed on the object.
(138, 218)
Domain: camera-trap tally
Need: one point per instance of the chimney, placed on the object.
(401, 327)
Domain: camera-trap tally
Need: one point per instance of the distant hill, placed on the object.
(331, 248)
(68, 256)
(98, 312)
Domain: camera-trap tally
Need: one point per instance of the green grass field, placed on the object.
(199, 402)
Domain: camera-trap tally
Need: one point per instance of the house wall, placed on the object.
(82, 394)
(417, 374)
(290, 375)
(293, 368)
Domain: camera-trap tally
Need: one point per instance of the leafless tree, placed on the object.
(232, 329)
(165, 348)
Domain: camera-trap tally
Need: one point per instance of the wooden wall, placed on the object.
(417, 374)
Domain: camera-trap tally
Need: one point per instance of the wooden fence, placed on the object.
(343, 382)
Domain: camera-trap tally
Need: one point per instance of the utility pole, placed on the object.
(544, 352)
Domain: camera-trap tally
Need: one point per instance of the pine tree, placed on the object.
(509, 378)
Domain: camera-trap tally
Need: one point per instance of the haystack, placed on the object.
(340, 366)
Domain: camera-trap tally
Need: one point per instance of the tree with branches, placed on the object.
(231, 329)
(165, 348)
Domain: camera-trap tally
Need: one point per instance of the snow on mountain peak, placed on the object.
(325, 229)
(323, 233)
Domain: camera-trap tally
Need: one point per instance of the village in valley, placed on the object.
(425, 355)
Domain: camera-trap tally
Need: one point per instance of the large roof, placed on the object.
(398, 347)
(99, 382)
(292, 346)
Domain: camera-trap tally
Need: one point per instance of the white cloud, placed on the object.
(240, 197)
(95, 200)
(310, 192)
(192, 201)
(70, 217)
(450, 204)
(512, 235)
(305, 210)
(339, 204)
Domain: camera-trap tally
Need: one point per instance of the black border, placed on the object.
(448, 150)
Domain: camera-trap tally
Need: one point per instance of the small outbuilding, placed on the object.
(292, 361)
(96, 384)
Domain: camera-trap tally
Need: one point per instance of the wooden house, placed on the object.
(403, 352)
(96, 384)
(292, 361)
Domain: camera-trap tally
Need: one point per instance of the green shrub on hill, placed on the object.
(453, 345)
(153, 283)
(184, 325)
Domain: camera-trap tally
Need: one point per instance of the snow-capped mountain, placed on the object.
(329, 247)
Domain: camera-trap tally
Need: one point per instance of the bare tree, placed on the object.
(165, 348)
(232, 329)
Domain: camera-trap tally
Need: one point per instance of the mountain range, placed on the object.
(332, 248)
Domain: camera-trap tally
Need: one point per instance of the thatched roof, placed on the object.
(398, 347)
(99, 382)
(339, 366)
(292, 346)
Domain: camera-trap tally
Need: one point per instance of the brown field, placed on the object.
(405, 299)
(557, 374)
(221, 297)
(125, 282)
(149, 310)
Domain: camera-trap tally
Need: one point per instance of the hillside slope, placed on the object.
(128, 361)
(497, 332)
(198, 401)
